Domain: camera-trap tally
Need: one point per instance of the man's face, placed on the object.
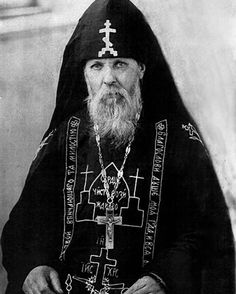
(114, 101)
(118, 72)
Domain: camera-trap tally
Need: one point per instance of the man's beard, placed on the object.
(116, 112)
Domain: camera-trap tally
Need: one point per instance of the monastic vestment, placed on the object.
(169, 219)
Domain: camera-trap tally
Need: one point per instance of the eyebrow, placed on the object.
(121, 60)
(96, 60)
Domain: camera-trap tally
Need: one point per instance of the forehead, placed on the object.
(110, 61)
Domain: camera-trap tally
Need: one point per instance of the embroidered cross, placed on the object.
(86, 176)
(99, 283)
(107, 30)
(110, 221)
(136, 180)
(102, 261)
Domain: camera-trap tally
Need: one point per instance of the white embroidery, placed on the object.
(69, 183)
(86, 173)
(107, 30)
(68, 283)
(193, 134)
(43, 143)
(99, 283)
(85, 196)
(136, 177)
(155, 191)
(135, 200)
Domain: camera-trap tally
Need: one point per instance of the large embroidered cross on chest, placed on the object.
(93, 204)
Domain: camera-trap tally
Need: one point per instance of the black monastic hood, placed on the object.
(133, 38)
(192, 211)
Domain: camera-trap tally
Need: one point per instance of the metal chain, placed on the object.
(110, 196)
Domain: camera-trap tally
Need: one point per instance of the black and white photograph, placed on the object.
(117, 146)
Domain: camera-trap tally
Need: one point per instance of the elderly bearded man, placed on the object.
(122, 197)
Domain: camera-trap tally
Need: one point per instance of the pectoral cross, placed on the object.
(107, 30)
(110, 221)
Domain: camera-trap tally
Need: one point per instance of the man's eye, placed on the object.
(96, 66)
(121, 64)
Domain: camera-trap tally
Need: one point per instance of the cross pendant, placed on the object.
(110, 221)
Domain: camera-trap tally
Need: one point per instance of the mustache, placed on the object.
(112, 94)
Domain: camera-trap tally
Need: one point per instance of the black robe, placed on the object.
(174, 221)
(170, 217)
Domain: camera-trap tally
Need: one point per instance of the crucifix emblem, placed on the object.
(102, 261)
(110, 221)
(107, 30)
(100, 282)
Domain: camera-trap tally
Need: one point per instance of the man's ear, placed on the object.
(142, 69)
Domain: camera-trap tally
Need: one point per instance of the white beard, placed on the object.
(115, 112)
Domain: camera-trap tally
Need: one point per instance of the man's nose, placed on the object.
(109, 76)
